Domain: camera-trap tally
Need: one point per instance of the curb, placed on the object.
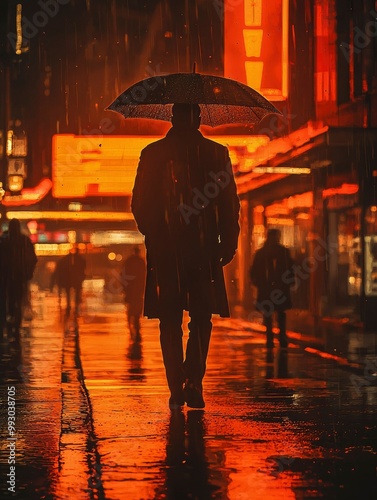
(309, 344)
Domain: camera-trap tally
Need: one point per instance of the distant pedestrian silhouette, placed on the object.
(185, 203)
(69, 275)
(272, 273)
(55, 280)
(18, 261)
(134, 285)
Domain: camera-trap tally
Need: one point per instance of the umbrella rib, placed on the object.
(209, 114)
(250, 107)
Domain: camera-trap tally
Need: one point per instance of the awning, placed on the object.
(280, 158)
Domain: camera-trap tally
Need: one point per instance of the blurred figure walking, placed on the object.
(133, 286)
(69, 275)
(18, 261)
(272, 273)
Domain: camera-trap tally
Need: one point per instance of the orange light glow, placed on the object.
(284, 207)
(15, 183)
(52, 248)
(32, 226)
(95, 166)
(304, 200)
(28, 196)
(283, 170)
(253, 13)
(327, 355)
(256, 45)
(106, 166)
(19, 29)
(67, 215)
(277, 221)
(343, 189)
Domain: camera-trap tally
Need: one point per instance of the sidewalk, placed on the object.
(93, 419)
(335, 338)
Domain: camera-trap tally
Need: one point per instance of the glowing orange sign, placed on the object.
(256, 45)
(106, 166)
(95, 166)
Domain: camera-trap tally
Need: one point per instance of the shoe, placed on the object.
(177, 399)
(176, 403)
(193, 395)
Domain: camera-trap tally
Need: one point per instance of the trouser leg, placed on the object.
(172, 349)
(282, 327)
(200, 327)
(15, 298)
(170, 313)
(68, 296)
(18, 312)
(267, 321)
(77, 297)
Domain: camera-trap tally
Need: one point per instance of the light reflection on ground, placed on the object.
(276, 424)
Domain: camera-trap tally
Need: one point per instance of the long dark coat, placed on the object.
(19, 258)
(17, 265)
(272, 273)
(185, 203)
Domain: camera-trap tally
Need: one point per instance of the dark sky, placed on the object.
(89, 51)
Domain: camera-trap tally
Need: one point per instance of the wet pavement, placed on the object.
(92, 417)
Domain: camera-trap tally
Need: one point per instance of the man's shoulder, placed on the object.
(26, 239)
(284, 252)
(261, 250)
(153, 146)
(213, 144)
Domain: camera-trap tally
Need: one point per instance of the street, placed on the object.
(92, 416)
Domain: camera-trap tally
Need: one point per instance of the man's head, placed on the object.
(14, 228)
(273, 237)
(186, 116)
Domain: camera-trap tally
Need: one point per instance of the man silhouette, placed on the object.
(70, 275)
(133, 285)
(272, 273)
(185, 203)
(18, 261)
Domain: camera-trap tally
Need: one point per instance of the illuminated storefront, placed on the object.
(370, 242)
(105, 238)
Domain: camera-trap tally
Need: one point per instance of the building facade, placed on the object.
(316, 178)
(311, 172)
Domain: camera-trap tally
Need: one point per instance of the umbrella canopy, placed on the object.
(223, 101)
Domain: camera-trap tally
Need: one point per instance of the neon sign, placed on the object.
(256, 45)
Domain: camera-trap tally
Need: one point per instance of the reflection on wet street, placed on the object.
(93, 418)
(34, 369)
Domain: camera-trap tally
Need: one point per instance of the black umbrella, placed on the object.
(223, 101)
